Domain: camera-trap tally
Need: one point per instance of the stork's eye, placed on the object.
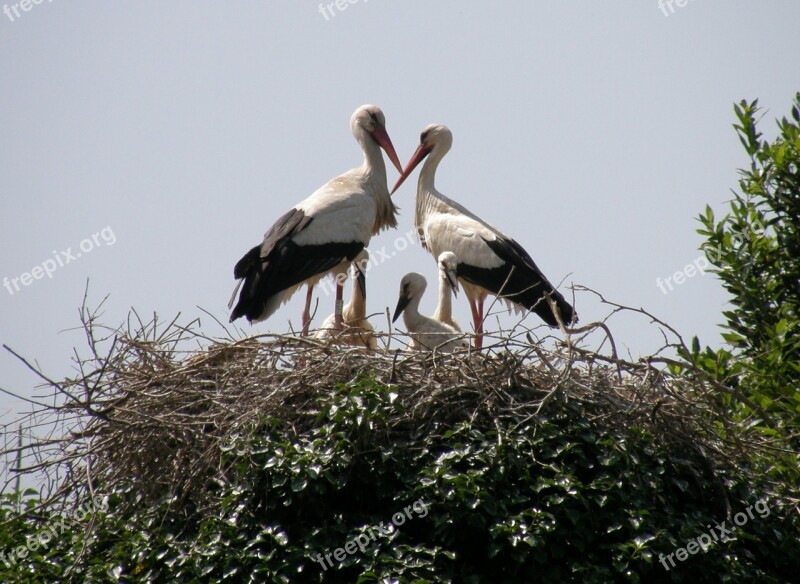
(374, 117)
(423, 137)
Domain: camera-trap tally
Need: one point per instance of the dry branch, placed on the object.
(159, 405)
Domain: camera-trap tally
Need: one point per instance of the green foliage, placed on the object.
(755, 250)
(559, 498)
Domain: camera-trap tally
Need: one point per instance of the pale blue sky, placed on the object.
(592, 132)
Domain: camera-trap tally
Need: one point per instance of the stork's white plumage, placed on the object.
(324, 231)
(489, 261)
(357, 330)
(426, 333)
(448, 287)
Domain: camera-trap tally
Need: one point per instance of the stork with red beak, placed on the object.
(489, 261)
(327, 229)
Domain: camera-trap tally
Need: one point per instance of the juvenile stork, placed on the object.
(357, 330)
(327, 229)
(448, 287)
(426, 333)
(489, 261)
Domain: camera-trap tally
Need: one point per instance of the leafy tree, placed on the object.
(755, 250)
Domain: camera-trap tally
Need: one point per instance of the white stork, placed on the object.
(489, 261)
(357, 329)
(448, 287)
(327, 229)
(425, 332)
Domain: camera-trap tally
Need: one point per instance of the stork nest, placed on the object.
(158, 405)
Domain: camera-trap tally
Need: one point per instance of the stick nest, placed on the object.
(155, 404)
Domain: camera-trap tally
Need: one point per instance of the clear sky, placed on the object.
(166, 137)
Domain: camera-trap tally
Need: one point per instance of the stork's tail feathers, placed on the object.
(235, 292)
(246, 271)
(250, 260)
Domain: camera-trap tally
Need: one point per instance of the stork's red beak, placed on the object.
(383, 140)
(418, 156)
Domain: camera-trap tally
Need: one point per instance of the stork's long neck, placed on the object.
(356, 309)
(428, 198)
(444, 310)
(411, 316)
(374, 172)
(374, 167)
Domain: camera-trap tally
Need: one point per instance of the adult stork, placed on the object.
(327, 229)
(426, 333)
(489, 261)
(357, 330)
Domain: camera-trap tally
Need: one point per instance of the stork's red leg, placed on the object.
(479, 337)
(338, 321)
(307, 311)
(477, 322)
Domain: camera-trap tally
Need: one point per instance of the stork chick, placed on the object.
(426, 333)
(448, 284)
(356, 329)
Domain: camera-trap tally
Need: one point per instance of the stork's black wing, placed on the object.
(518, 280)
(279, 263)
